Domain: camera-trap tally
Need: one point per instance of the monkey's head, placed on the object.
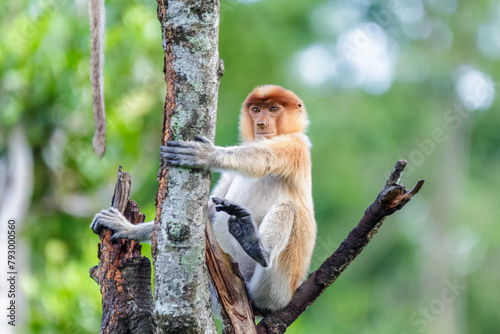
(271, 111)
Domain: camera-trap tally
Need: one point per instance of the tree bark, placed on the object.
(236, 309)
(192, 70)
(392, 198)
(124, 276)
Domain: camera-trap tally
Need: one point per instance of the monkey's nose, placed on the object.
(261, 125)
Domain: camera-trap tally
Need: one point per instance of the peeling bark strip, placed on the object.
(190, 31)
(392, 198)
(232, 294)
(124, 276)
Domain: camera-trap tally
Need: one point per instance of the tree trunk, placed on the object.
(192, 70)
(123, 275)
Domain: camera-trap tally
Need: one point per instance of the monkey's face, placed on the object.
(265, 118)
(271, 111)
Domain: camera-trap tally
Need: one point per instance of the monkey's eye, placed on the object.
(273, 109)
(255, 109)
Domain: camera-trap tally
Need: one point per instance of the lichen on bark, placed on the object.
(192, 68)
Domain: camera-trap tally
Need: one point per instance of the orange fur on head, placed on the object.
(292, 119)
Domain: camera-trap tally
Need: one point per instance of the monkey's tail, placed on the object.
(97, 23)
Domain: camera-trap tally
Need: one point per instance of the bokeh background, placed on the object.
(382, 80)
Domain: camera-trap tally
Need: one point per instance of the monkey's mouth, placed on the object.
(264, 133)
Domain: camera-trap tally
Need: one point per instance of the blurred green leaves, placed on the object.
(450, 230)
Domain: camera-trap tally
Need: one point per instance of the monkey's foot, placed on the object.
(112, 219)
(242, 228)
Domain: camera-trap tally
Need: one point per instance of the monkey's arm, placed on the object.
(241, 226)
(114, 220)
(220, 190)
(256, 159)
(272, 236)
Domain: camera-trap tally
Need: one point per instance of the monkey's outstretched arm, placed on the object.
(255, 159)
(97, 20)
(114, 220)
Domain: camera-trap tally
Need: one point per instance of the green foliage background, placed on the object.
(448, 235)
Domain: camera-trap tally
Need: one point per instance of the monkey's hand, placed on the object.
(194, 154)
(242, 228)
(112, 219)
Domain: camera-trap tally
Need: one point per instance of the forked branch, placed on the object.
(393, 197)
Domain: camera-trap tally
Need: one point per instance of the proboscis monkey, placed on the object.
(261, 209)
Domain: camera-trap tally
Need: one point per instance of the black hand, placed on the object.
(242, 228)
(186, 153)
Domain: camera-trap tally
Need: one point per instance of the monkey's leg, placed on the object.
(270, 288)
(243, 230)
(122, 228)
(276, 227)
